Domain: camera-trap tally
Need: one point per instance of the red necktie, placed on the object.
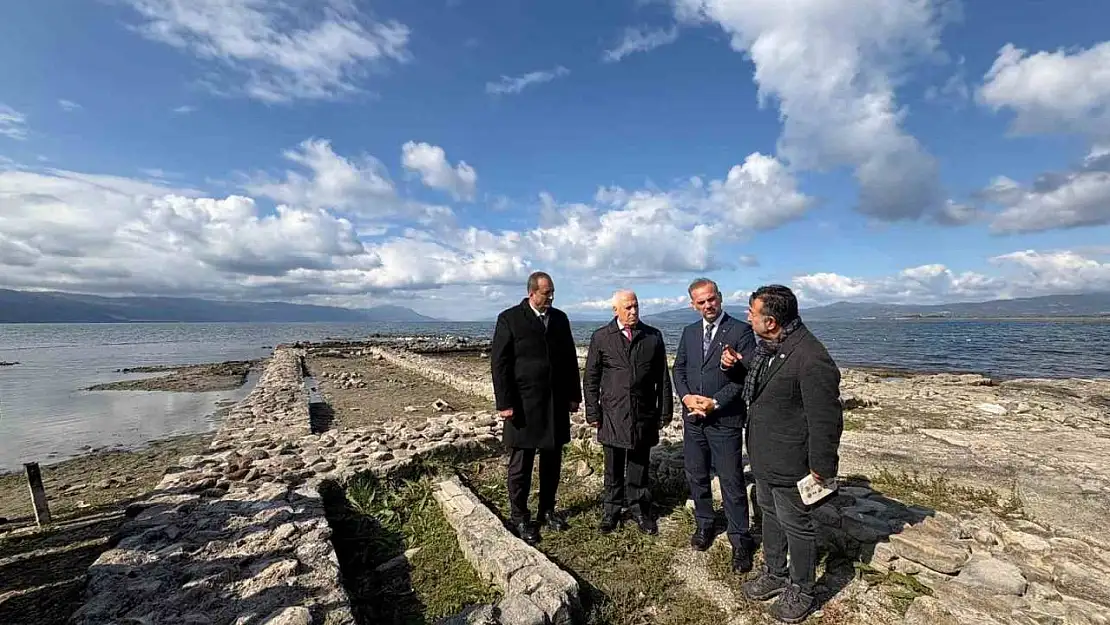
(628, 333)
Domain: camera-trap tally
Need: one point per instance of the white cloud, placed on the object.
(278, 51)
(1021, 274)
(641, 39)
(1061, 91)
(69, 105)
(832, 68)
(516, 84)
(430, 161)
(1071, 199)
(341, 232)
(362, 186)
(184, 109)
(13, 124)
(648, 305)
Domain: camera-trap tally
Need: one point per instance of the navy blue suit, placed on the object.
(716, 440)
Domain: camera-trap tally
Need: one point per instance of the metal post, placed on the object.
(38, 493)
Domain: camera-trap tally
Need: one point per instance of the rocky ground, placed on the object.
(223, 376)
(363, 390)
(42, 571)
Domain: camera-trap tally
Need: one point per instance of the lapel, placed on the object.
(780, 358)
(624, 347)
(724, 324)
(533, 319)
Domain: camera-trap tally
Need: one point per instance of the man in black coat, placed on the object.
(713, 419)
(536, 386)
(792, 387)
(628, 399)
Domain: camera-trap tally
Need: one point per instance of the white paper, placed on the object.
(813, 490)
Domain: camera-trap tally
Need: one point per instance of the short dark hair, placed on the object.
(778, 302)
(700, 282)
(534, 280)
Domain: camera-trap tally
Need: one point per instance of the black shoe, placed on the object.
(609, 523)
(528, 532)
(702, 538)
(742, 557)
(764, 587)
(793, 606)
(646, 523)
(554, 521)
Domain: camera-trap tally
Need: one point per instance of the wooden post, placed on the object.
(38, 493)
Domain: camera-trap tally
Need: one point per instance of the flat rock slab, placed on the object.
(931, 549)
(994, 575)
(536, 590)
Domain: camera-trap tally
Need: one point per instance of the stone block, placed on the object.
(936, 552)
(996, 576)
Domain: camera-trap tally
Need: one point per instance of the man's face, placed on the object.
(627, 310)
(542, 297)
(707, 301)
(764, 327)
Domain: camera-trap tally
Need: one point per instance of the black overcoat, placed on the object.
(627, 386)
(535, 372)
(795, 419)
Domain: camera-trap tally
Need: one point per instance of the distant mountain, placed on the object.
(1085, 305)
(59, 307)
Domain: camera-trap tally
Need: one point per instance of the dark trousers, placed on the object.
(520, 480)
(788, 526)
(721, 448)
(626, 480)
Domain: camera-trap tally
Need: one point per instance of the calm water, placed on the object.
(45, 417)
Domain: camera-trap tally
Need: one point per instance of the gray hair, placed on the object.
(699, 283)
(534, 280)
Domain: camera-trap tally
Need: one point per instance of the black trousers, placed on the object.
(626, 480)
(706, 447)
(788, 527)
(520, 480)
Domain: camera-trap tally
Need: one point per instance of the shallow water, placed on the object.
(45, 417)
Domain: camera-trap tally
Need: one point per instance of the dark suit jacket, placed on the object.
(627, 386)
(795, 419)
(700, 374)
(535, 372)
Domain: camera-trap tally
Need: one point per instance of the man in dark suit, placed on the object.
(536, 387)
(792, 388)
(628, 398)
(713, 419)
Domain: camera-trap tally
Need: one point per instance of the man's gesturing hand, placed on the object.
(729, 357)
(505, 414)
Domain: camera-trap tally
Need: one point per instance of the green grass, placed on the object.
(625, 576)
(940, 493)
(374, 521)
(900, 587)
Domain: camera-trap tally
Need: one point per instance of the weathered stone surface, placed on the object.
(929, 549)
(533, 586)
(994, 575)
(928, 611)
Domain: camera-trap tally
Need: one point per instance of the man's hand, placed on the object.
(729, 357)
(505, 414)
(573, 407)
(690, 401)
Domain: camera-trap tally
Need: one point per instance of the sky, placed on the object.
(432, 154)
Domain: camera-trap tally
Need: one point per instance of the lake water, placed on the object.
(46, 417)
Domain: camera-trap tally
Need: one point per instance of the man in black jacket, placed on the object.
(792, 387)
(628, 398)
(536, 387)
(713, 418)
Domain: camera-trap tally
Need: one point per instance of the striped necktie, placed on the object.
(707, 339)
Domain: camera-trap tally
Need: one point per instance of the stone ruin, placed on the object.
(238, 535)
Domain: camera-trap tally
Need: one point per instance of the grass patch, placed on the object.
(625, 577)
(940, 493)
(375, 521)
(852, 423)
(900, 587)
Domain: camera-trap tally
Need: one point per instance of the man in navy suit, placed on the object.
(713, 414)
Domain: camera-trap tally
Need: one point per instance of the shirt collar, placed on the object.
(538, 313)
(716, 324)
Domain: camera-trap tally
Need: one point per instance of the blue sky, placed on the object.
(431, 154)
